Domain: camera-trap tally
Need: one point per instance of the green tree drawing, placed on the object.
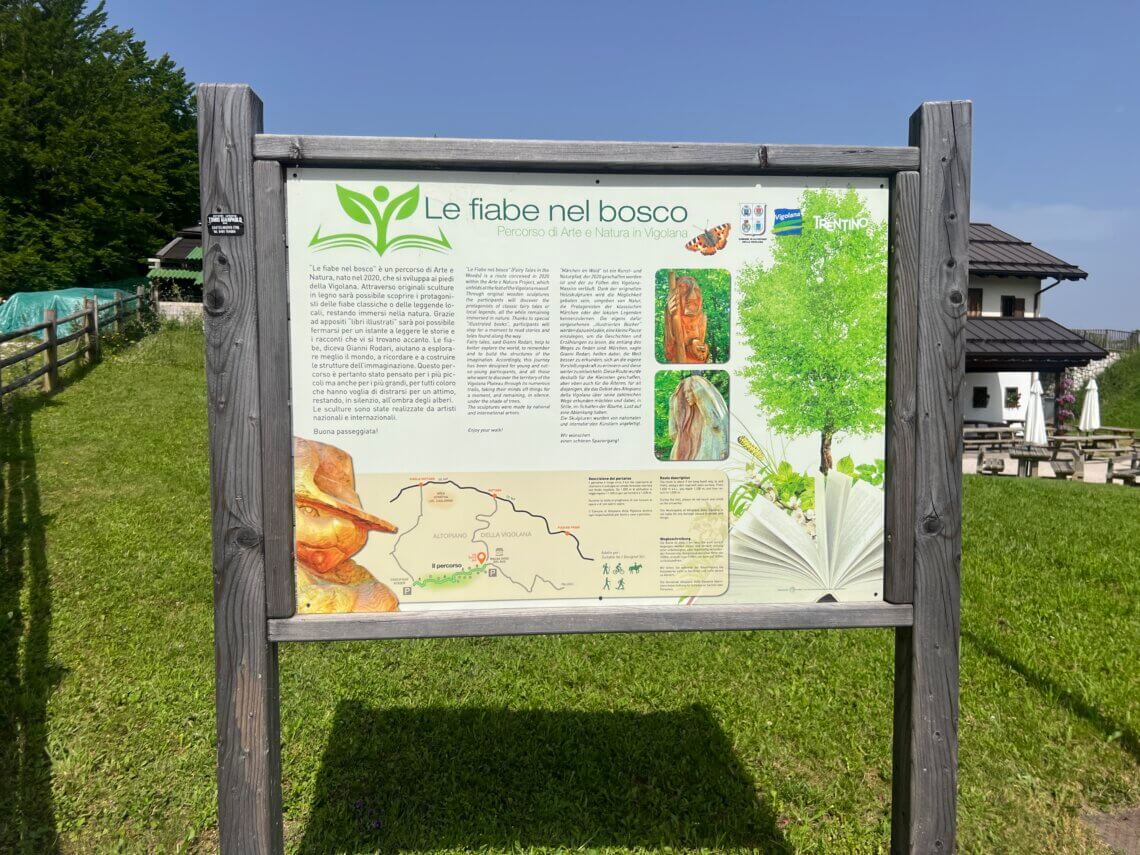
(816, 322)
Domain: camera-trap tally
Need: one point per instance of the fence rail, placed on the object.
(1115, 341)
(84, 326)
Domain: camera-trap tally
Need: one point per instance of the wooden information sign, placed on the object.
(509, 387)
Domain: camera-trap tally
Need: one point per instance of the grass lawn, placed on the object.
(773, 742)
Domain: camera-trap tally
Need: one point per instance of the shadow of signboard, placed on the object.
(417, 779)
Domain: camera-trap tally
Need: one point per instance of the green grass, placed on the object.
(1120, 393)
(723, 742)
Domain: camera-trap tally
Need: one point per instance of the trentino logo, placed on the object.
(787, 221)
(364, 210)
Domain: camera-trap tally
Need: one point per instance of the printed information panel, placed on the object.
(552, 390)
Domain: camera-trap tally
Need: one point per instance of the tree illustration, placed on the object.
(816, 323)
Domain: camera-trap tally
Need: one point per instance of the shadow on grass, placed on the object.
(27, 674)
(415, 779)
(1071, 701)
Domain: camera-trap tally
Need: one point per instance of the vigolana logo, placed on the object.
(787, 221)
(362, 209)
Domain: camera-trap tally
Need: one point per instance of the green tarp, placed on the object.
(25, 308)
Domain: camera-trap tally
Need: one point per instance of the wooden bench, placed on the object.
(1072, 465)
(989, 463)
(1124, 469)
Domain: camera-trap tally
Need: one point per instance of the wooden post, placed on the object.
(249, 749)
(276, 433)
(902, 386)
(94, 349)
(51, 355)
(139, 303)
(154, 298)
(926, 654)
(118, 312)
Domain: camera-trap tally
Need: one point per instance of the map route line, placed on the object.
(533, 584)
(514, 507)
(400, 536)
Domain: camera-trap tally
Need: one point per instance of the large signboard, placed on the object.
(560, 389)
(505, 387)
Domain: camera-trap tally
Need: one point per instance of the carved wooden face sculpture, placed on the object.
(330, 523)
(325, 538)
(691, 301)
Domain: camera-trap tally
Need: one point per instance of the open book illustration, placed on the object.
(770, 550)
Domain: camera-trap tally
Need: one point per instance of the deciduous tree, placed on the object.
(98, 152)
(816, 323)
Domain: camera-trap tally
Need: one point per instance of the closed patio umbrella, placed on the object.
(1090, 410)
(1035, 417)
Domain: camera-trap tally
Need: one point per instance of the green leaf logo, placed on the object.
(406, 203)
(362, 209)
(357, 205)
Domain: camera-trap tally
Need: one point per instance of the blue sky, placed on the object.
(1054, 85)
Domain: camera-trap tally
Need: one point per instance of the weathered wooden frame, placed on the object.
(246, 311)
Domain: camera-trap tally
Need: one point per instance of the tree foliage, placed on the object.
(98, 152)
(816, 322)
(716, 295)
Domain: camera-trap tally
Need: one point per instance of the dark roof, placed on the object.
(1025, 344)
(185, 247)
(997, 253)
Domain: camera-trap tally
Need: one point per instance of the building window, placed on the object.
(1012, 398)
(981, 397)
(974, 302)
(1012, 307)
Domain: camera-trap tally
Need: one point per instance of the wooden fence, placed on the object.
(84, 328)
(1115, 341)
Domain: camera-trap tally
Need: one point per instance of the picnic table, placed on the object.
(1029, 457)
(1090, 445)
(988, 436)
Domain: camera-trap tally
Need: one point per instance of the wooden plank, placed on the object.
(585, 156)
(24, 380)
(249, 742)
(20, 333)
(94, 346)
(51, 353)
(468, 622)
(273, 355)
(926, 655)
(27, 353)
(71, 357)
(902, 380)
(74, 316)
(71, 337)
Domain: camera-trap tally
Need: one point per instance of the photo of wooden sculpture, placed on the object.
(697, 415)
(686, 324)
(331, 527)
(692, 309)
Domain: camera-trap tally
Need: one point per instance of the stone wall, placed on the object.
(1081, 376)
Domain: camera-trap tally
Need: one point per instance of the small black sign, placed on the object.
(226, 224)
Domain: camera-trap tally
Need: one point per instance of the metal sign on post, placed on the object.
(492, 387)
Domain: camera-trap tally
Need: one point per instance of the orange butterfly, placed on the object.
(710, 240)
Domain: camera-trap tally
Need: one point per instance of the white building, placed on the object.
(1008, 340)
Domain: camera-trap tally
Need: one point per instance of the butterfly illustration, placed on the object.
(710, 240)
